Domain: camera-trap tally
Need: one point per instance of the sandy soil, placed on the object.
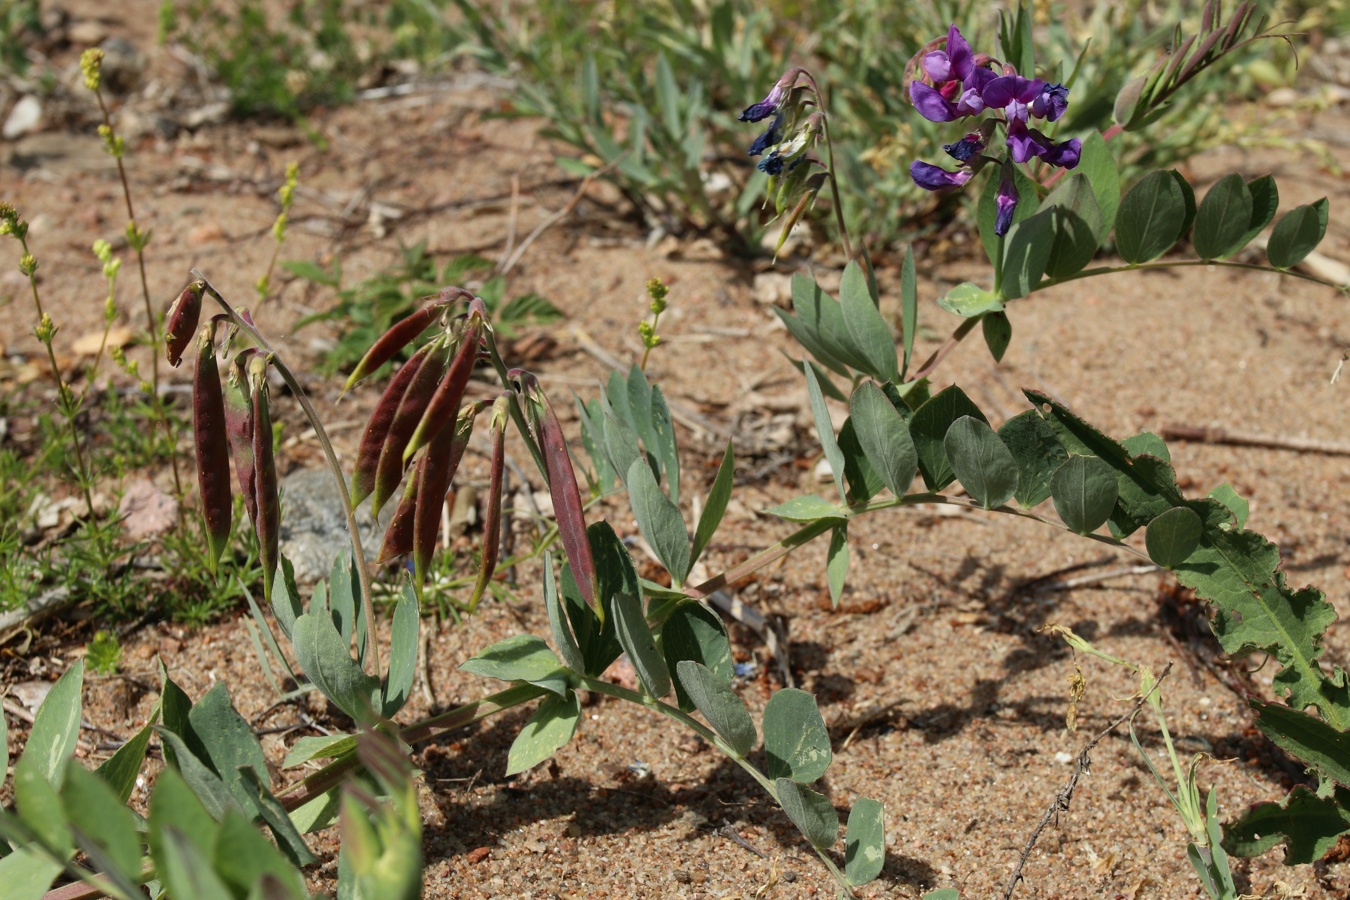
(940, 625)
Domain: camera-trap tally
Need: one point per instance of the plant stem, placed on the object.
(941, 353)
(1190, 263)
(358, 552)
(517, 414)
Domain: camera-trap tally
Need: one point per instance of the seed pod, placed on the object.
(401, 334)
(372, 441)
(181, 324)
(239, 427)
(562, 487)
(392, 465)
(492, 518)
(213, 454)
(268, 522)
(444, 407)
(437, 469)
(398, 537)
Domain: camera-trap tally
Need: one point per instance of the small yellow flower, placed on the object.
(91, 64)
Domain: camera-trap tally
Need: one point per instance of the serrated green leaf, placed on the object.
(103, 825)
(928, 429)
(715, 506)
(319, 747)
(1085, 492)
(796, 742)
(547, 731)
(970, 300)
(864, 842)
(807, 509)
(810, 811)
(714, 698)
(56, 727)
(1223, 218)
(1026, 251)
(1308, 826)
(982, 463)
(403, 646)
(1297, 234)
(1173, 536)
(1150, 218)
(326, 661)
(638, 642)
(521, 657)
(997, 330)
(659, 520)
(1308, 739)
(1237, 504)
(1099, 167)
(1038, 454)
(871, 336)
(836, 561)
(884, 437)
(695, 633)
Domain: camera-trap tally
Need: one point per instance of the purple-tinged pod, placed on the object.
(268, 522)
(401, 334)
(239, 428)
(562, 487)
(180, 326)
(437, 469)
(389, 471)
(492, 517)
(398, 537)
(212, 446)
(444, 407)
(372, 440)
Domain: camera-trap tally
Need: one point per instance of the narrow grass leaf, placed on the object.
(638, 642)
(981, 461)
(715, 506)
(547, 731)
(810, 811)
(870, 335)
(403, 645)
(884, 437)
(1297, 234)
(1223, 219)
(864, 842)
(714, 698)
(1085, 493)
(1151, 218)
(928, 429)
(659, 520)
(796, 742)
(1173, 536)
(825, 430)
(56, 728)
(695, 633)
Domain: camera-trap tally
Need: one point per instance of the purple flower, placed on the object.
(931, 104)
(1024, 143)
(1005, 201)
(768, 138)
(766, 107)
(1051, 103)
(1012, 94)
(935, 178)
(965, 148)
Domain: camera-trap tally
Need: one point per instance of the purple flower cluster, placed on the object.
(786, 104)
(959, 84)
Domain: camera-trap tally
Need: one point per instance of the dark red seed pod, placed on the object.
(212, 446)
(180, 326)
(437, 468)
(422, 387)
(268, 523)
(492, 517)
(239, 427)
(398, 537)
(401, 334)
(372, 440)
(443, 409)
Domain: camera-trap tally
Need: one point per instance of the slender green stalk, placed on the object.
(358, 552)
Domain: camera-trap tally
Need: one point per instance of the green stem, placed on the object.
(1190, 263)
(358, 552)
(517, 414)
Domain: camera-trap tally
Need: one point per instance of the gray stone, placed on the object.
(314, 526)
(25, 117)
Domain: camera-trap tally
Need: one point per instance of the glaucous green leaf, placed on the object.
(1038, 453)
(1297, 234)
(807, 509)
(694, 632)
(103, 825)
(824, 318)
(558, 622)
(862, 478)
(1026, 252)
(997, 331)
(943, 893)
(521, 657)
(121, 770)
(659, 520)
(808, 338)
(324, 658)
(928, 429)
(982, 463)
(640, 409)
(286, 606)
(811, 811)
(173, 803)
(243, 857)
(342, 597)
(1308, 826)
(56, 728)
(665, 450)
(1146, 443)
(825, 430)
(1085, 493)
(970, 300)
(1150, 218)
(324, 746)
(715, 506)
(1223, 218)
(621, 444)
(1265, 201)
(1077, 227)
(909, 303)
(198, 775)
(864, 842)
(1309, 739)
(403, 644)
(714, 698)
(547, 731)
(1173, 536)
(796, 742)
(614, 573)
(1187, 198)
(870, 335)
(270, 810)
(640, 645)
(185, 870)
(884, 437)
(1099, 167)
(836, 561)
(39, 807)
(230, 742)
(319, 813)
(1236, 503)
(27, 874)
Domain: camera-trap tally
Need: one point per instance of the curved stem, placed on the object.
(1190, 263)
(372, 658)
(941, 353)
(517, 414)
